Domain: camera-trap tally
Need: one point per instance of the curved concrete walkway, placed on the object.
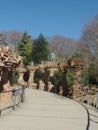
(45, 111)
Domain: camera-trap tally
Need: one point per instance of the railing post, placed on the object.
(55, 89)
(0, 112)
(14, 99)
(23, 93)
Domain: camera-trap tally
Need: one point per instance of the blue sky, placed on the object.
(49, 17)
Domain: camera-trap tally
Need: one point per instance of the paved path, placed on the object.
(45, 111)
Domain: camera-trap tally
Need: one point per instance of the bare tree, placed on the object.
(63, 46)
(89, 37)
(89, 48)
(12, 38)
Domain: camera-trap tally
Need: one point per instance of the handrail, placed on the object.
(17, 96)
(88, 115)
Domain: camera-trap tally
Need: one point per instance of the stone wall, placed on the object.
(9, 61)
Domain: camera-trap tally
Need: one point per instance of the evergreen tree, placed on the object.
(84, 77)
(70, 77)
(25, 48)
(40, 50)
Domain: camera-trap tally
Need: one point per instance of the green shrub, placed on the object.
(70, 77)
(84, 77)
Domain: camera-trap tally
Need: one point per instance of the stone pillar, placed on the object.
(61, 90)
(41, 68)
(21, 72)
(76, 88)
(51, 71)
(31, 83)
(41, 85)
(50, 87)
(77, 63)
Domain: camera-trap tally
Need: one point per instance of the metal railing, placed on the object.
(12, 98)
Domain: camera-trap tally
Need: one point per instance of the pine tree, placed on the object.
(40, 50)
(25, 48)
